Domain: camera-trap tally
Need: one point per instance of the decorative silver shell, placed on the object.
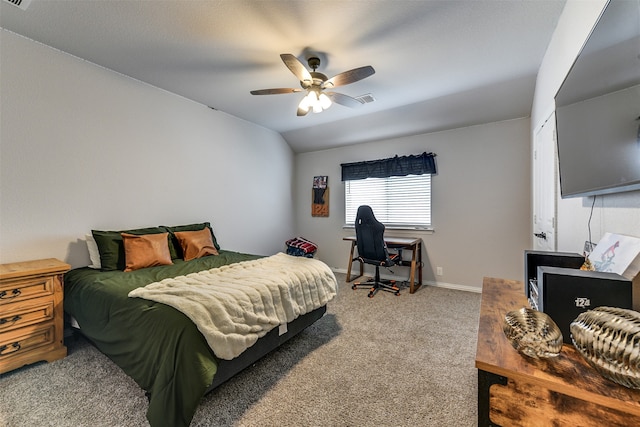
(533, 333)
(609, 340)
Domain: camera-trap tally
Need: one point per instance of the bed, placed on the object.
(164, 349)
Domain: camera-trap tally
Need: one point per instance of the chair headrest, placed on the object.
(365, 215)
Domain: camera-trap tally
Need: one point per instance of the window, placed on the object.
(398, 189)
(397, 201)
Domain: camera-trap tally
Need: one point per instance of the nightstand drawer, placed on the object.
(18, 315)
(23, 340)
(19, 290)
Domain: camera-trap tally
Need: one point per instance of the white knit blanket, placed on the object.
(236, 304)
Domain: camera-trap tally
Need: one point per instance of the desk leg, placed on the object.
(416, 258)
(419, 264)
(353, 245)
(351, 259)
(485, 381)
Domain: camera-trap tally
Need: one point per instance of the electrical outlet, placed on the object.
(439, 271)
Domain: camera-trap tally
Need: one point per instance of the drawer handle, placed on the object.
(12, 320)
(15, 345)
(14, 293)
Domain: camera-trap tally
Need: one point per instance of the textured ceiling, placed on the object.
(439, 64)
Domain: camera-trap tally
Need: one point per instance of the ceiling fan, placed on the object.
(317, 99)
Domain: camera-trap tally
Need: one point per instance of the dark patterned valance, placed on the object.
(396, 166)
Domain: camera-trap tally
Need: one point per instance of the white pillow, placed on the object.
(94, 254)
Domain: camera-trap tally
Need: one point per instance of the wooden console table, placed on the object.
(411, 243)
(517, 391)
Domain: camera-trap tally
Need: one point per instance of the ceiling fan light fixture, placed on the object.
(316, 101)
(304, 104)
(324, 100)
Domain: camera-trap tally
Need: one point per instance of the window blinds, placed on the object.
(402, 201)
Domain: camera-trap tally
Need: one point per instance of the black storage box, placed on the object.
(555, 285)
(534, 259)
(564, 293)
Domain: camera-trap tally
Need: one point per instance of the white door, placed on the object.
(545, 186)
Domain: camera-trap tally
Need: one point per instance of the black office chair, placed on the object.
(373, 250)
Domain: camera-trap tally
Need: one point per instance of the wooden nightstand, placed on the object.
(31, 312)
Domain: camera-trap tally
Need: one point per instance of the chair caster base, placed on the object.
(387, 286)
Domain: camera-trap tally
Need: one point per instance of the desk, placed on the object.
(411, 243)
(517, 391)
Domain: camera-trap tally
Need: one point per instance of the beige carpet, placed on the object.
(403, 360)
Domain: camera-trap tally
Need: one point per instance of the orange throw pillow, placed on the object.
(196, 244)
(146, 250)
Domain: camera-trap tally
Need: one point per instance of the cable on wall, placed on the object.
(589, 223)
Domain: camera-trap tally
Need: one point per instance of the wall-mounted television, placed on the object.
(598, 108)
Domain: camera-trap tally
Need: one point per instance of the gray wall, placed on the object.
(83, 147)
(481, 201)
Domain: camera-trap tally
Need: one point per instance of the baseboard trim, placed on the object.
(454, 286)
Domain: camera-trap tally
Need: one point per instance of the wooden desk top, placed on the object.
(391, 240)
(568, 373)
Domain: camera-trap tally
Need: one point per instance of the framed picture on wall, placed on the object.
(320, 196)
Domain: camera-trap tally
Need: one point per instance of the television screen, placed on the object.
(598, 109)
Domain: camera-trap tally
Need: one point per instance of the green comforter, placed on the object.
(156, 345)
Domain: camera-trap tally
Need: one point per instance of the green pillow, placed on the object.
(189, 227)
(111, 246)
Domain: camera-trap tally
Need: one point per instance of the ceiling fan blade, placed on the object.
(296, 67)
(350, 76)
(345, 100)
(275, 91)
